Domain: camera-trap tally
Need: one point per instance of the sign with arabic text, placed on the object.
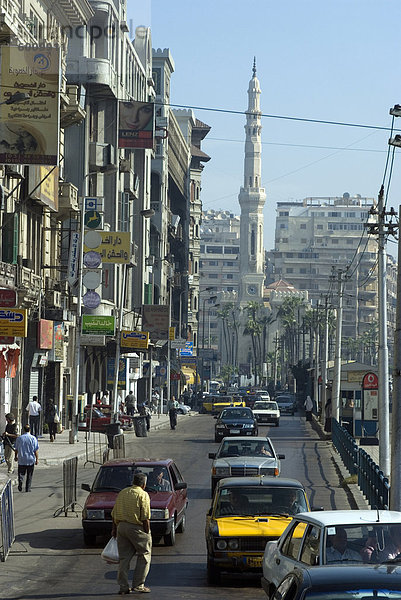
(13, 322)
(29, 130)
(135, 339)
(155, 320)
(113, 246)
(98, 325)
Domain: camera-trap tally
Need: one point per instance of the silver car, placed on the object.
(244, 457)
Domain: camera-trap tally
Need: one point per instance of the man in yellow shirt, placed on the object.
(131, 527)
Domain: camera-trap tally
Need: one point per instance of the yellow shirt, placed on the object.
(132, 505)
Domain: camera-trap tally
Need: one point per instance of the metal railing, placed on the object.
(345, 446)
(70, 468)
(371, 480)
(7, 520)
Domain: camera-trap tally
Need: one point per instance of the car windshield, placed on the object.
(96, 412)
(259, 501)
(237, 413)
(370, 543)
(233, 447)
(116, 478)
(357, 594)
(265, 405)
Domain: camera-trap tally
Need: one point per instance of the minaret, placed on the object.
(252, 200)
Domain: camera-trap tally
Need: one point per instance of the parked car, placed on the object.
(98, 417)
(235, 421)
(286, 404)
(267, 411)
(246, 512)
(310, 540)
(168, 508)
(244, 457)
(332, 582)
(183, 409)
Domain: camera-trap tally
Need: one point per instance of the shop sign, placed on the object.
(98, 325)
(45, 334)
(13, 322)
(135, 339)
(8, 298)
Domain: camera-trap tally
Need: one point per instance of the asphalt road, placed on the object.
(49, 561)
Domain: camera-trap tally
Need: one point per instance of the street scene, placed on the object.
(200, 301)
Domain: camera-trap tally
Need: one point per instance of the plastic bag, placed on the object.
(110, 552)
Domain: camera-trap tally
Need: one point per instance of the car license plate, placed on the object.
(254, 561)
(235, 431)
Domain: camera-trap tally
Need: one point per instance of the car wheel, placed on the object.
(169, 539)
(181, 527)
(89, 539)
(213, 574)
(180, 411)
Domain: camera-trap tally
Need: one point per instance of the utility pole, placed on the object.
(337, 357)
(395, 490)
(325, 358)
(317, 344)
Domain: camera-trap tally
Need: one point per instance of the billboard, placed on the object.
(155, 320)
(29, 130)
(136, 124)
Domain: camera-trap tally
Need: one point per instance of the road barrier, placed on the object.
(7, 520)
(95, 447)
(70, 468)
(371, 480)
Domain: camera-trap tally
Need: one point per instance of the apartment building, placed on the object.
(315, 236)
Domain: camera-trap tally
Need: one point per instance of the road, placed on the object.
(49, 560)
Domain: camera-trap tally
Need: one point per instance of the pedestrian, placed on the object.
(327, 415)
(308, 408)
(105, 399)
(52, 418)
(155, 401)
(140, 404)
(130, 402)
(26, 454)
(9, 436)
(131, 527)
(172, 406)
(34, 409)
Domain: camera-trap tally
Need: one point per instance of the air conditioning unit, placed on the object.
(53, 298)
(101, 155)
(125, 165)
(150, 261)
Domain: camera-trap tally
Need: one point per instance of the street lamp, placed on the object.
(16, 98)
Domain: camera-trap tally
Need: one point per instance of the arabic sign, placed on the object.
(93, 340)
(13, 322)
(155, 320)
(73, 259)
(188, 350)
(370, 381)
(135, 339)
(113, 246)
(98, 325)
(29, 131)
(136, 124)
(8, 298)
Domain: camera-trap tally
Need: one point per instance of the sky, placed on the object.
(330, 60)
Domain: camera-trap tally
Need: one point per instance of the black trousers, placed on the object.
(52, 429)
(22, 469)
(172, 413)
(34, 423)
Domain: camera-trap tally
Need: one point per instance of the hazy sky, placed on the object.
(331, 60)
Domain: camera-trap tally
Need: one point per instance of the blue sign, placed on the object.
(188, 350)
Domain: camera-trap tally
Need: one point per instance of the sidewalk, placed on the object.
(54, 453)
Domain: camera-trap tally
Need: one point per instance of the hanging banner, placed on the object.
(29, 130)
(136, 124)
(155, 320)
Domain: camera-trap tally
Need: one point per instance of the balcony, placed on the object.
(8, 274)
(71, 112)
(14, 25)
(67, 199)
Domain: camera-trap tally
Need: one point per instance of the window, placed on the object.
(229, 276)
(284, 240)
(283, 213)
(350, 242)
(213, 263)
(283, 226)
(231, 249)
(213, 275)
(289, 270)
(214, 249)
(292, 543)
(334, 242)
(228, 263)
(310, 549)
(303, 270)
(303, 226)
(319, 226)
(304, 241)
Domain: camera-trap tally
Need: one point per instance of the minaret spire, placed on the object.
(252, 199)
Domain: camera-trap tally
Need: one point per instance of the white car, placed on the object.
(266, 411)
(183, 409)
(328, 537)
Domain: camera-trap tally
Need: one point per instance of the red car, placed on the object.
(98, 416)
(165, 486)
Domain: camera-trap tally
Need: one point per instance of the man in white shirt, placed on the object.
(338, 551)
(34, 409)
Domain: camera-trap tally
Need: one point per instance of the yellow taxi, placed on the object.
(246, 513)
(215, 404)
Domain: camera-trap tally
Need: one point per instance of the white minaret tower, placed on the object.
(252, 200)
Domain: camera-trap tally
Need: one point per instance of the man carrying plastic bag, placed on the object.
(131, 527)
